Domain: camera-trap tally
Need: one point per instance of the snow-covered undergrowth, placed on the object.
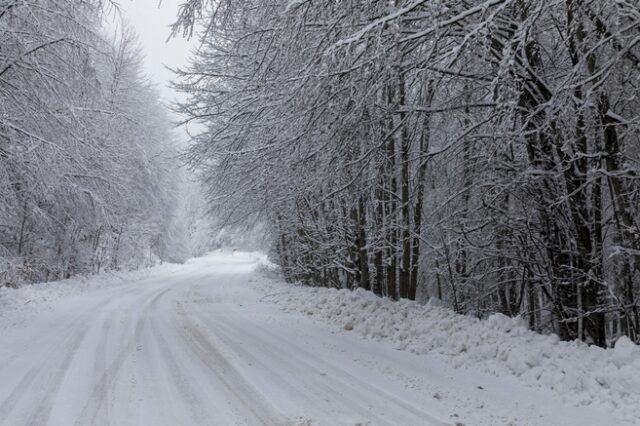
(17, 306)
(578, 373)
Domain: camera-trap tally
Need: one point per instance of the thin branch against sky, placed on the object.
(162, 51)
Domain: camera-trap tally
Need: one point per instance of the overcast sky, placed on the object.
(151, 22)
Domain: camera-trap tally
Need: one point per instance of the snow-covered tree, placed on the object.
(481, 152)
(87, 163)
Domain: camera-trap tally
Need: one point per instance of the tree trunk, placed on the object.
(405, 270)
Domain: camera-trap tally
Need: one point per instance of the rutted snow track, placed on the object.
(196, 346)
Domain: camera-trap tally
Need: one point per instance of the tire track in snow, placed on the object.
(32, 343)
(334, 378)
(53, 383)
(51, 361)
(250, 398)
(97, 405)
(12, 400)
(188, 394)
(98, 402)
(325, 389)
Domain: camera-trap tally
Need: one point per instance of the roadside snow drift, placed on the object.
(581, 375)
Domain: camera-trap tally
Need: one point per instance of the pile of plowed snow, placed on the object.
(578, 373)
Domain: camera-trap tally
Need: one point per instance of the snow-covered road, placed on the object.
(199, 344)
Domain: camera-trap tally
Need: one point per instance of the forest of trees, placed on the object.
(89, 175)
(482, 152)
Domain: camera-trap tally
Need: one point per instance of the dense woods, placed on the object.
(482, 152)
(88, 175)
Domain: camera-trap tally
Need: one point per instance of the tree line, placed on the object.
(482, 152)
(88, 173)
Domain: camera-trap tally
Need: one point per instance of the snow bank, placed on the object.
(17, 306)
(578, 373)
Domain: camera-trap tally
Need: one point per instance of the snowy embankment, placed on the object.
(19, 305)
(581, 375)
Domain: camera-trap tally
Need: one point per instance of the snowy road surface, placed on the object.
(199, 345)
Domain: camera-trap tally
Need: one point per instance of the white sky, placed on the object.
(151, 22)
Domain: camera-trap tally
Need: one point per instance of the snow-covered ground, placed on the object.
(578, 374)
(204, 343)
(18, 307)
